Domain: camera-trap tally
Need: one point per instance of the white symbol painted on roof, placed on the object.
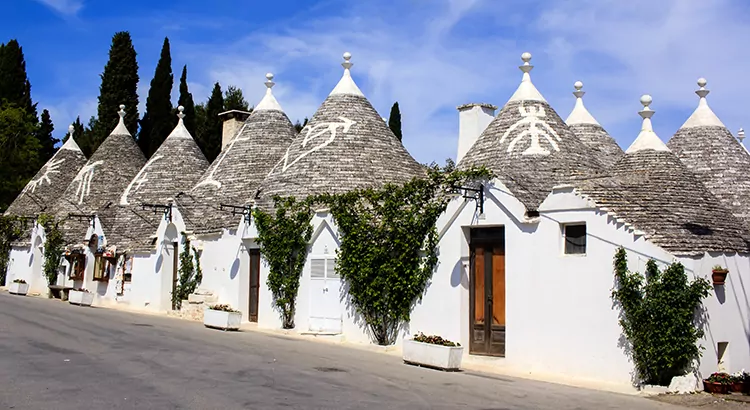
(53, 167)
(532, 116)
(139, 180)
(313, 134)
(84, 177)
(217, 163)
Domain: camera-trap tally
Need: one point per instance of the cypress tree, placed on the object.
(394, 121)
(209, 139)
(234, 100)
(15, 87)
(300, 125)
(19, 152)
(44, 135)
(119, 86)
(158, 120)
(186, 100)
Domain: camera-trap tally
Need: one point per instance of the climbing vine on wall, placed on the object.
(658, 317)
(11, 229)
(389, 243)
(191, 274)
(53, 246)
(284, 236)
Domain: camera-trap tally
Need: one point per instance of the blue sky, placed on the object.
(430, 55)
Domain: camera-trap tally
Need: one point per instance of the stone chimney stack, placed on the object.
(232, 123)
(472, 121)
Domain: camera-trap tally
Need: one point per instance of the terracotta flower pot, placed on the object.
(719, 276)
(716, 388)
(738, 387)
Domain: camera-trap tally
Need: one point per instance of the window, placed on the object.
(575, 239)
(323, 268)
(77, 267)
(127, 275)
(100, 268)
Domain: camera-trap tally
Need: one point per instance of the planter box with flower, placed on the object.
(81, 297)
(222, 317)
(720, 383)
(740, 382)
(719, 275)
(433, 351)
(19, 287)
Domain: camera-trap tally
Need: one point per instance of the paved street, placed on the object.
(57, 356)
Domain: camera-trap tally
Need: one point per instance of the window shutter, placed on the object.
(331, 271)
(317, 268)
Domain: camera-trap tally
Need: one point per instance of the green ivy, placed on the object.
(389, 243)
(191, 274)
(11, 230)
(658, 317)
(53, 246)
(284, 238)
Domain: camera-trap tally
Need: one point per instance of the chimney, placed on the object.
(472, 121)
(232, 123)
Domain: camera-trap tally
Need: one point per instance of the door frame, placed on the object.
(494, 238)
(251, 252)
(175, 271)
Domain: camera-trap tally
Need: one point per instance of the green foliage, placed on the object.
(234, 100)
(158, 120)
(19, 152)
(298, 126)
(658, 318)
(15, 88)
(223, 308)
(44, 135)
(210, 125)
(53, 246)
(78, 131)
(434, 340)
(394, 121)
(186, 100)
(191, 274)
(119, 86)
(284, 238)
(11, 229)
(389, 244)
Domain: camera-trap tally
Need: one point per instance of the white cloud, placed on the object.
(64, 7)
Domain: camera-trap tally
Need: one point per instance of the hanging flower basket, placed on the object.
(719, 275)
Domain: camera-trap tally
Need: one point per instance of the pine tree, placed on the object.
(186, 100)
(299, 126)
(394, 121)
(234, 100)
(15, 87)
(209, 138)
(119, 86)
(158, 120)
(46, 140)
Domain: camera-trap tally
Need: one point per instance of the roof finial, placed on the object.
(269, 81)
(646, 113)
(580, 115)
(526, 67)
(71, 129)
(741, 135)
(180, 114)
(647, 138)
(346, 85)
(122, 111)
(702, 91)
(703, 115)
(347, 64)
(578, 92)
(269, 101)
(526, 91)
(121, 129)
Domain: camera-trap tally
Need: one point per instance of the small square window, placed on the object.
(575, 239)
(101, 268)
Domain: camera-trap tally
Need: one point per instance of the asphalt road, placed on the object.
(57, 356)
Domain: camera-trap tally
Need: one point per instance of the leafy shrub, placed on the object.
(721, 378)
(658, 318)
(191, 274)
(434, 340)
(19, 281)
(222, 308)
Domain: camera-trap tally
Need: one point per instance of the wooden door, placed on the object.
(254, 285)
(487, 290)
(175, 273)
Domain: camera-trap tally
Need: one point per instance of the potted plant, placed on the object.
(719, 275)
(740, 381)
(433, 351)
(222, 317)
(19, 287)
(719, 383)
(81, 297)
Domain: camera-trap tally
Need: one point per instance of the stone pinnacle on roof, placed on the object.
(527, 90)
(580, 115)
(71, 143)
(269, 101)
(121, 129)
(346, 85)
(741, 135)
(647, 138)
(703, 115)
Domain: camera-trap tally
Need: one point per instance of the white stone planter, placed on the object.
(430, 355)
(19, 288)
(76, 297)
(218, 319)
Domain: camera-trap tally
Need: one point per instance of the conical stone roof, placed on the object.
(175, 167)
(590, 132)
(345, 146)
(235, 176)
(652, 191)
(529, 147)
(710, 150)
(50, 182)
(100, 182)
